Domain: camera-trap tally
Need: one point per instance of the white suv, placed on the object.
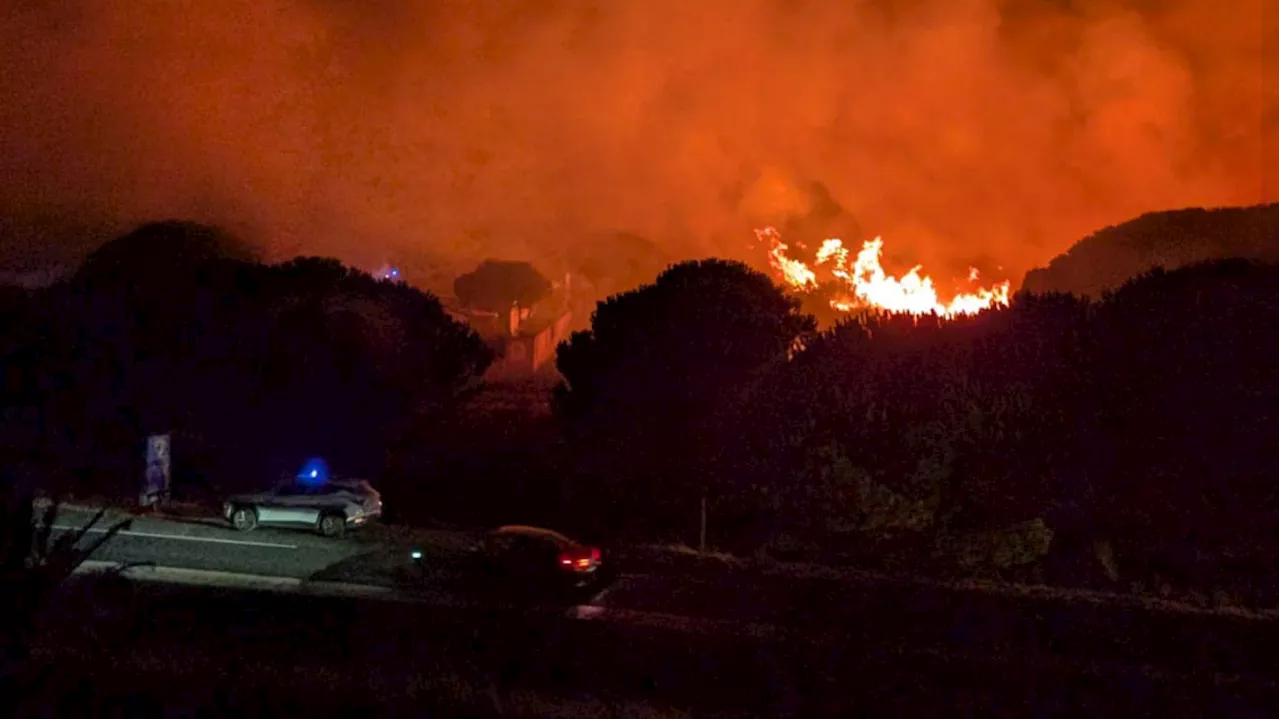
(329, 508)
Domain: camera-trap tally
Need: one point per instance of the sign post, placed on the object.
(155, 486)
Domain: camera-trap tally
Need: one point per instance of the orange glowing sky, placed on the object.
(984, 133)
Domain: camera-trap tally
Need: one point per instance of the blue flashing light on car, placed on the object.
(314, 472)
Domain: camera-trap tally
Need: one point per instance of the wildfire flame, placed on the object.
(869, 286)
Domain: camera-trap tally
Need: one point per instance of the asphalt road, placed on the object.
(210, 544)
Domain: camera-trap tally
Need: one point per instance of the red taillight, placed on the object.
(580, 560)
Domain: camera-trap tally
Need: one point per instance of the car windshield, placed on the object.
(296, 489)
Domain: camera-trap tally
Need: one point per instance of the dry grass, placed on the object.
(679, 554)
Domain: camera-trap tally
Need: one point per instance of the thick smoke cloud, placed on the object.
(993, 132)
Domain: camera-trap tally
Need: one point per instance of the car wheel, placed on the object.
(244, 519)
(332, 525)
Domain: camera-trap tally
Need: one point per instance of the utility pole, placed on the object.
(702, 525)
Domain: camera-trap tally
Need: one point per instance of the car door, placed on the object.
(497, 550)
(291, 504)
(487, 574)
(507, 555)
(532, 560)
(272, 508)
(307, 505)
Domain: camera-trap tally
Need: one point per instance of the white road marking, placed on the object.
(153, 535)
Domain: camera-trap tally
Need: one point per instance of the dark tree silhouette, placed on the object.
(253, 368)
(855, 439)
(352, 360)
(160, 250)
(496, 284)
(888, 423)
(668, 366)
(1109, 257)
(1184, 465)
(23, 349)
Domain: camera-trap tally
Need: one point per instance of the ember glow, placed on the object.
(864, 284)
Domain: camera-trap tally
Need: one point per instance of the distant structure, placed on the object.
(524, 339)
(388, 272)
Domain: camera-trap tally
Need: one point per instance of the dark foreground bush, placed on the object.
(33, 566)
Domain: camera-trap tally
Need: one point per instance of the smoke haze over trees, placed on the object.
(1106, 259)
(984, 132)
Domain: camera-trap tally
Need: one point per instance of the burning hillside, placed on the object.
(857, 281)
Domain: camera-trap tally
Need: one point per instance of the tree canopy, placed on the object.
(669, 364)
(496, 284)
(1108, 258)
(254, 367)
(160, 250)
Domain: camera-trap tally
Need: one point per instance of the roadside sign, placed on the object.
(156, 481)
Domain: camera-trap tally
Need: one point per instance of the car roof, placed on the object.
(349, 484)
(533, 532)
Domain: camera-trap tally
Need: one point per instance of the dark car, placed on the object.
(530, 563)
(330, 508)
